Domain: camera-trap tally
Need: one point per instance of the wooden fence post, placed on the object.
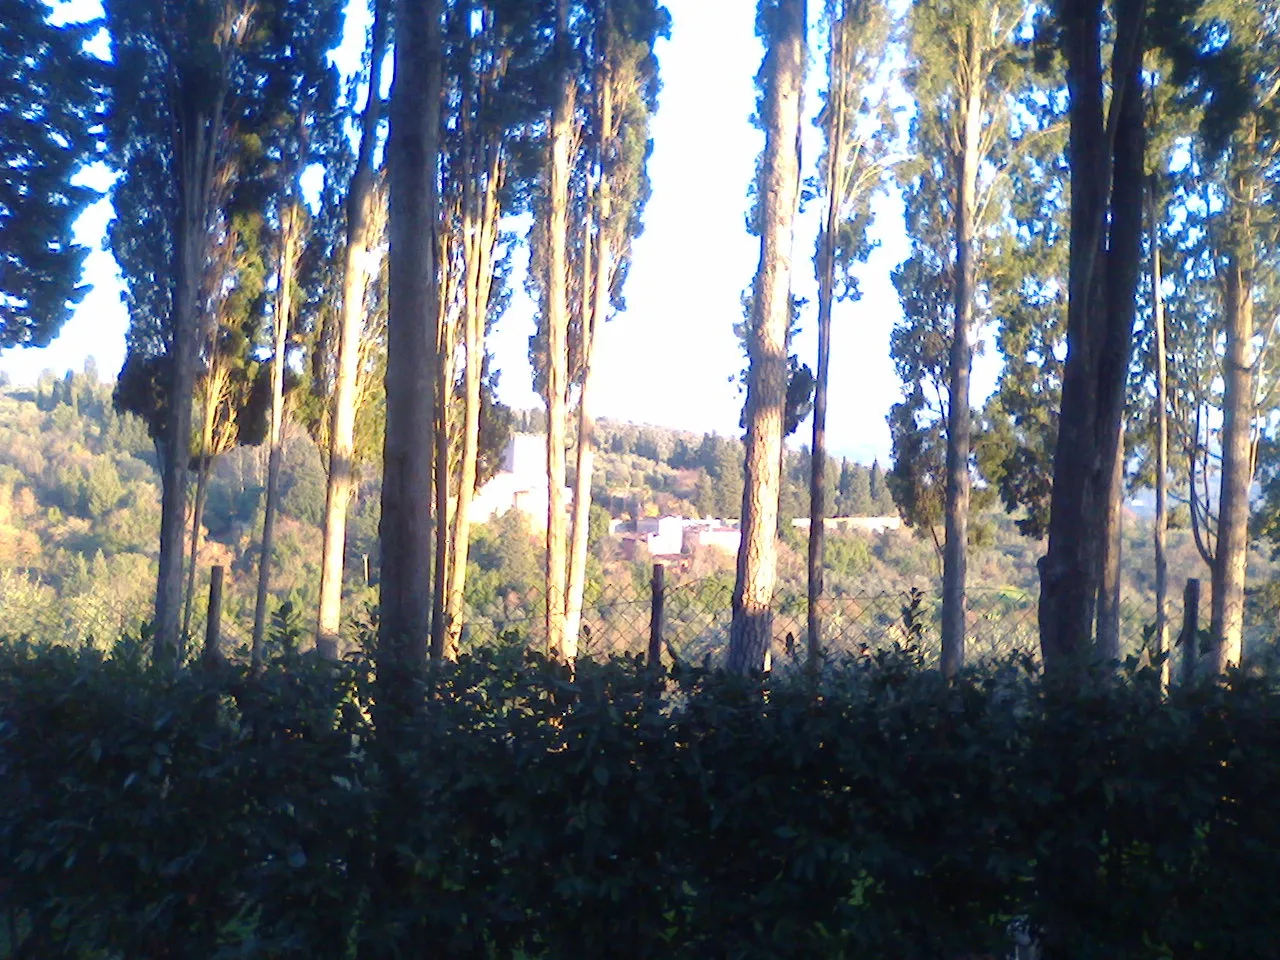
(1190, 638)
(213, 627)
(658, 601)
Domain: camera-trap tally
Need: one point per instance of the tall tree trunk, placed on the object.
(596, 284)
(584, 465)
(212, 391)
(413, 310)
(1232, 554)
(833, 175)
(557, 309)
(440, 477)
(404, 530)
(290, 228)
(751, 633)
(1106, 192)
(479, 244)
(342, 413)
(1109, 584)
(177, 426)
(585, 452)
(959, 416)
(1162, 452)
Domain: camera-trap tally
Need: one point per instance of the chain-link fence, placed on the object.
(696, 615)
(618, 619)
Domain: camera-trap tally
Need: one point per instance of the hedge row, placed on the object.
(531, 813)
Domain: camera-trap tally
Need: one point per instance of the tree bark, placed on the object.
(597, 282)
(835, 136)
(1106, 191)
(290, 230)
(440, 476)
(177, 424)
(557, 309)
(413, 308)
(480, 240)
(1109, 584)
(1162, 448)
(197, 518)
(955, 553)
(1232, 553)
(751, 633)
(342, 413)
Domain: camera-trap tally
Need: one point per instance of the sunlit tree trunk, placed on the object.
(959, 415)
(1162, 452)
(442, 528)
(1232, 553)
(596, 284)
(557, 333)
(783, 73)
(355, 279)
(482, 210)
(212, 391)
(290, 237)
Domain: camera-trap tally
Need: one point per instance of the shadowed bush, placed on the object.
(609, 812)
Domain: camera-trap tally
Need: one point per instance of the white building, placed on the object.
(722, 535)
(664, 536)
(862, 524)
(520, 484)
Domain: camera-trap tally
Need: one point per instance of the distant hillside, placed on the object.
(79, 519)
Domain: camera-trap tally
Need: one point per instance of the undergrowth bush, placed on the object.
(612, 813)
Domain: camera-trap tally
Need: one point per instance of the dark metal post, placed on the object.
(659, 599)
(213, 627)
(1190, 639)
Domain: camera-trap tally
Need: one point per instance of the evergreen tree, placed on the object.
(178, 82)
(50, 101)
(962, 71)
(852, 167)
(782, 25)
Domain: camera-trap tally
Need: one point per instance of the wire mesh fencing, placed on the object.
(696, 617)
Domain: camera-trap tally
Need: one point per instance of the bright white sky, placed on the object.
(671, 357)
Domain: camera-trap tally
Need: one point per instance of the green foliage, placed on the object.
(894, 815)
(51, 93)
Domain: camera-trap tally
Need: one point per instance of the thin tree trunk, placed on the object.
(835, 137)
(955, 553)
(557, 335)
(1109, 584)
(340, 481)
(290, 227)
(480, 242)
(440, 477)
(1162, 454)
(202, 490)
(595, 307)
(1201, 532)
(751, 634)
(1232, 553)
(585, 452)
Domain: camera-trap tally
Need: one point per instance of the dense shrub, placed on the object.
(610, 813)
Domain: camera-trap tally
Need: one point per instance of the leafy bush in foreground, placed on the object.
(612, 813)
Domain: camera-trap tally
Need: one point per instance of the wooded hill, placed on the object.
(79, 511)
